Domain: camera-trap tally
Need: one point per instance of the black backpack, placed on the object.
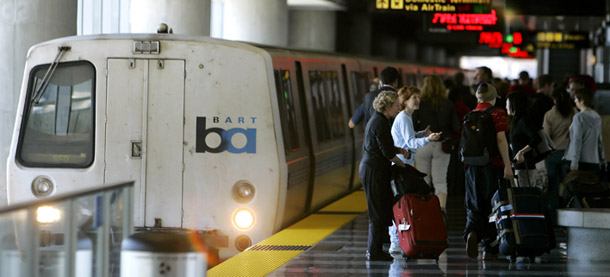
(479, 142)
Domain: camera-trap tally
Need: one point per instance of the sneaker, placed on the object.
(472, 245)
(394, 248)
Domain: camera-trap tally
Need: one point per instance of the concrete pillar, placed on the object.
(190, 17)
(408, 51)
(428, 55)
(602, 64)
(440, 56)
(354, 33)
(452, 61)
(385, 46)
(24, 23)
(312, 29)
(260, 21)
(103, 16)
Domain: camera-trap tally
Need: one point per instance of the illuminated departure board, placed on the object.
(559, 40)
(435, 6)
(443, 22)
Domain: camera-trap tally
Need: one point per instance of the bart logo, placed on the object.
(226, 143)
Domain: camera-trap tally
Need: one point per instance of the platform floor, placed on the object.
(342, 253)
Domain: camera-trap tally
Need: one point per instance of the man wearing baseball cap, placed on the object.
(483, 180)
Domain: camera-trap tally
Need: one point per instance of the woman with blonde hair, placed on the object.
(375, 173)
(436, 113)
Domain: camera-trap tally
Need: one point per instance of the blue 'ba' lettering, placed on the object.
(202, 132)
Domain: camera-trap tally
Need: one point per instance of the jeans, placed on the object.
(557, 169)
(481, 184)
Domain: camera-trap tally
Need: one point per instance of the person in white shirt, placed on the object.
(405, 137)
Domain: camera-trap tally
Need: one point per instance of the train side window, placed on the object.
(327, 105)
(411, 79)
(320, 106)
(58, 122)
(335, 105)
(400, 82)
(287, 110)
(360, 82)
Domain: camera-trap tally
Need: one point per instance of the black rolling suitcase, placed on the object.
(586, 190)
(522, 221)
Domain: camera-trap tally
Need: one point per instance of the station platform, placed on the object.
(332, 242)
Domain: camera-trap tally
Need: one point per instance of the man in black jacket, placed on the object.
(541, 101)
(388, 81)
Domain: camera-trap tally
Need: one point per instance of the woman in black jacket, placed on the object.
(437, 113)
(379, 153)
(523, 137)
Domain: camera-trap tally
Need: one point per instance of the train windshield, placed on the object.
(57, 128)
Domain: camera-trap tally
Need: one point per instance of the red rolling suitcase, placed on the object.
(421, 227)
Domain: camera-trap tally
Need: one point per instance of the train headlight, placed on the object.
(242, 242)
(243, 191)
(42, 186)
(47, 215)
(243, 219)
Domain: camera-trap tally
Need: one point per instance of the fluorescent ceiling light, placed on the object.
(315, 5)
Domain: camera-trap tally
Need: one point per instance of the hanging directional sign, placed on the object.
(435, 6)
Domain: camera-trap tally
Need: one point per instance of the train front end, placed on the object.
(190, 120)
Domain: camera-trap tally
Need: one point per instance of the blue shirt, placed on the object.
(404, 136)
(358, 115)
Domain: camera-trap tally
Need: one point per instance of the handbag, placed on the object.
(448, 145)
(408, 180)
(544, 149)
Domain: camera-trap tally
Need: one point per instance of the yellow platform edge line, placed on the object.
(353, 202)
(307, 232)
(310, 230)
(253, 263)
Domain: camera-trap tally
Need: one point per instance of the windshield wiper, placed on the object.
(49, 74)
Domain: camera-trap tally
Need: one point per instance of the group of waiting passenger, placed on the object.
(418, 127)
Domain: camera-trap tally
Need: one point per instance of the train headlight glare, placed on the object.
(47, 215)
(243, 219)
(243, 192)
(42, 186)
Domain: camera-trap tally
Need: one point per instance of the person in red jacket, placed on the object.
(523, 85)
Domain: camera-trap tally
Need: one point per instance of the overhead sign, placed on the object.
(558, 40)
(557, 7)
(433, 6)
(511, 44)
(445, 22)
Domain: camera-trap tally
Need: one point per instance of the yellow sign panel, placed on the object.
(397, 4)
(467, 6)
(383, 4)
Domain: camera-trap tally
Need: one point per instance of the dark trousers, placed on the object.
(556, 169)
(455, 174)
(377, 234)
(481, 184)
(376, 184)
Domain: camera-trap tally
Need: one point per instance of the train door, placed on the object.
(144, 135)
(296, 144)
(327, 111)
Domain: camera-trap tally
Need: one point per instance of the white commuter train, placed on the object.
(233, 140)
